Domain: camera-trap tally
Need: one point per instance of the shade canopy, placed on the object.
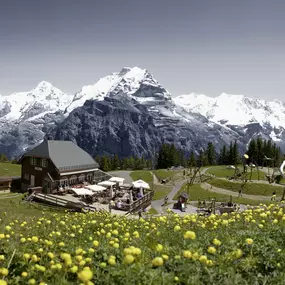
(81, 191)
(106, 183)
(95, 188)
(117, 179)
(140, 184)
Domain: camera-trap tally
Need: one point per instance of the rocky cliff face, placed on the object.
(123, 126)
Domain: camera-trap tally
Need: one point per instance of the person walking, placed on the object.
(239, 193)
(110, 206)
(165, 200)
(273, 198)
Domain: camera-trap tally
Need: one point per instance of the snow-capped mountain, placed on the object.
(234, 109)
(25, 117)
(134, 82)
(129, 112)
(39, 101)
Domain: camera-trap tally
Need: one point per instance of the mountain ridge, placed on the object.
(189, 121)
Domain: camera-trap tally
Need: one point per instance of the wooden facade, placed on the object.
(36, 173)
(39, 170)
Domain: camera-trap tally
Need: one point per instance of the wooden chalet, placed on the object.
(54, 164)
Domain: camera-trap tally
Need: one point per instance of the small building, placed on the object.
(54, 164)
(5, 183)
(10, 183)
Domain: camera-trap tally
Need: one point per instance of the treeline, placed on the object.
(258, 149)
(169, 156)
(3, 158)
(109, 163)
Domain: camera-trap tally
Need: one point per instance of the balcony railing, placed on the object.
(141, 203)
(78, 167)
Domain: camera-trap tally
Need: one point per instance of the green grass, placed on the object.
(142, 174)
(197, 192)
(9, 169)
(160, 192)
(12, 206)
(249, 188)
(152, 211)
(222, 171)
(163, 173)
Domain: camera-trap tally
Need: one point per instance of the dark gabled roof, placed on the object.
(65, 155)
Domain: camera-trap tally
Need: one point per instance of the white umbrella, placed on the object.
(140, 184)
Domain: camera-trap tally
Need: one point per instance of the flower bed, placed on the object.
(99, 248)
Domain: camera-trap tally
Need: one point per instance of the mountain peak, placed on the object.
(43, 85)
(135, 72)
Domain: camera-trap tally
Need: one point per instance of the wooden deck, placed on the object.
(60, 202)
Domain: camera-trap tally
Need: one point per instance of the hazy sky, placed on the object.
(209, 47)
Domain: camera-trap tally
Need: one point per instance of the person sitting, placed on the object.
(119, 204)
(139, 195)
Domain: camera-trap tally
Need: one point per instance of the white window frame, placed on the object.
(81, 178)
(33, 160)
(44, 162)
(73, 179)
(64, 181)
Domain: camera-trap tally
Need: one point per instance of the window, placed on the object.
(26, 176)
(44, 162)
(89, 177)
(73, 180)
(81, 178)
(33, 161)
(64, 181)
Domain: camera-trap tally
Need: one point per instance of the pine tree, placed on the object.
(115, 162)
(260, 151)
(230, 154)
(223, 160)
(192, 160)
(252, 150)
(211, 154)
(235, 154)
(3, 158)
(104, 163)
(201, 158)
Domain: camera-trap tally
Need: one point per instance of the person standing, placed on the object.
(273, 198)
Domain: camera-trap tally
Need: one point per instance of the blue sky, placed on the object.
(198, 46)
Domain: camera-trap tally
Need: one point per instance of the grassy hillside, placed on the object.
(9, 169)
(223, 171)
(163, 173)
(142, 174)
(196, 192)
(249, 188)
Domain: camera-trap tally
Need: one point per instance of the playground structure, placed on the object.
(245, 175)
(206, 208)
(196, 176)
